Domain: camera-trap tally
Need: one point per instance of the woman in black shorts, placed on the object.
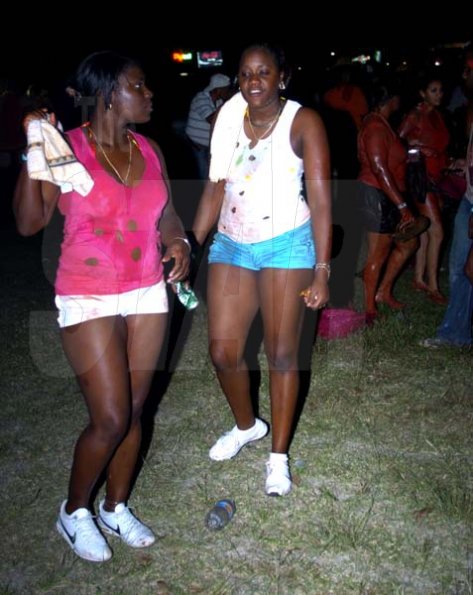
(381, 201)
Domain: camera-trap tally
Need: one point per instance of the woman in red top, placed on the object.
(424, 128)
(110, 289)
(381, 200)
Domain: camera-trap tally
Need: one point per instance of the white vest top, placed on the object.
(263, 191)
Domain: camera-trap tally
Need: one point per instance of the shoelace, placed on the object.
(230, 437)
(87, 527)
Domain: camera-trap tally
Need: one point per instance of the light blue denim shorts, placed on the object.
(291, 250)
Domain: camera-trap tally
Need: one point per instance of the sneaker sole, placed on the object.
(106, 529)
(61, 532)
(276, 494)
(227, 458)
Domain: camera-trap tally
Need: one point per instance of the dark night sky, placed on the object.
(50, 44)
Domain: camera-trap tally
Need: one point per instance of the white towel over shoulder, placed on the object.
(225, 136)
(51, 158)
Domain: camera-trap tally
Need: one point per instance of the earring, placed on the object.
(282, 85)
(109, 106)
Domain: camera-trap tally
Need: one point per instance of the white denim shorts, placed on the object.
(74, 309)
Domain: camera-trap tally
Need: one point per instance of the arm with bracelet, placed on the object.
(172, 232)
(317, 180)
(377, 150)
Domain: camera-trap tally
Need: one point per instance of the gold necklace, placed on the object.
(117, 173)
(267, 128)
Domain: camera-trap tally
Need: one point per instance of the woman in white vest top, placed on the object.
(263, 256)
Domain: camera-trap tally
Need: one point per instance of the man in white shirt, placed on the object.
(201, 112)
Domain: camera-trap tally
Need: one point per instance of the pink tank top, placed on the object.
(111, 242)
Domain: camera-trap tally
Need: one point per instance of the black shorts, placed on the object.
(378, 213)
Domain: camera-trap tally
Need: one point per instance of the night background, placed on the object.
(382, 457)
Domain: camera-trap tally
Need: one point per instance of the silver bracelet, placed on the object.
(185, 240)
(403, 205)
(325, 266)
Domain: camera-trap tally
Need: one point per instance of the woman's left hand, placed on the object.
(181, 252)
(316, 295)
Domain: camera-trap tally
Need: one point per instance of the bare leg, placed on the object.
(378, 250)
(420, 262)
(232, 306)
(96, 350)
(145, 339)
(435, 238)
(283, 313)
(100, 351)
(398, 257)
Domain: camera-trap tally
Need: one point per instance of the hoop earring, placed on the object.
(282, 85)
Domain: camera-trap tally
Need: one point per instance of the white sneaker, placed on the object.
(82, 534)
(228, 445)
(123, 524)
(278, 478)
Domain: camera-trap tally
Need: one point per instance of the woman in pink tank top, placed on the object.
(109, 288)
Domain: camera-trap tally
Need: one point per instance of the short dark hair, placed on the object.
(382, 91)
(426, 77)
(98, 74)
(278, 55)
(276, 52)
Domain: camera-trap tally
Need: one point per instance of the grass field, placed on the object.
(382, 464)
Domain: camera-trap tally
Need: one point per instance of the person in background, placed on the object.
(456, 326)
(347, 96)
(201, 113)
(263, 255)
(469, 264)
(459, 94)
(459, 113)
(110, 288)
(343, 108)
(424, 128)
(381, 200)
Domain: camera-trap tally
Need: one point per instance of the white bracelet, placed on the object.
(325, 266)
(185, 240)
(403, 205)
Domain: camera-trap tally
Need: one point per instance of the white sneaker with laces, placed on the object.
(82, 534)
(123, 524)
(278, 478)
(228, 445)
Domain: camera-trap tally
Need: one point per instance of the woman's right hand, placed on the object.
(39, 114)
(317, 294)
(406, 218)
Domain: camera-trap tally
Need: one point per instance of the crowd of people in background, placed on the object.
(202, 111)
(432, 131)
(264, 161)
